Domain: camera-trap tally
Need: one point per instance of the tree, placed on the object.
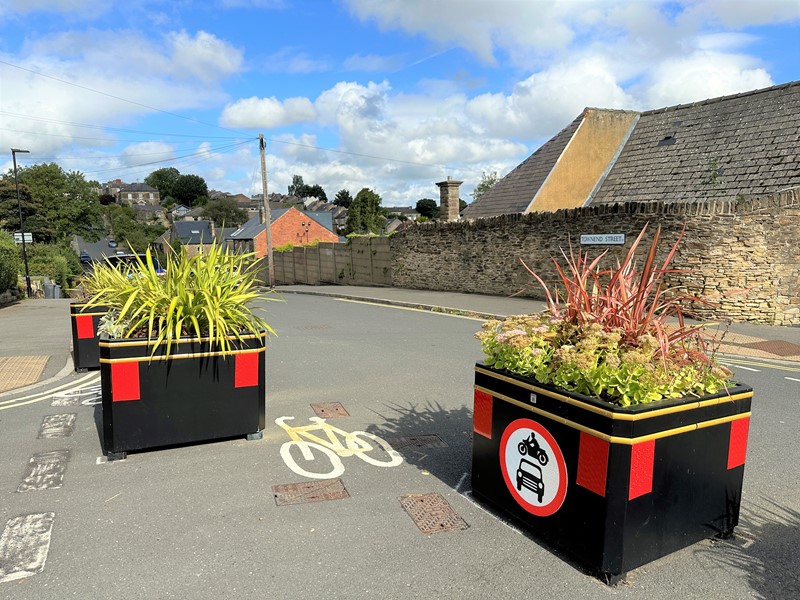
(224, 211)
(188, 189)
(461, 205)
(106, 199)
(55, 204)
(297, 186)
(343, 198)
(486, 182)
(163, 180)
(427, 208)
(315, 191)
(364, 214)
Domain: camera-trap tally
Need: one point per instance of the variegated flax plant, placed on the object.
(208, 295)
(617, 334)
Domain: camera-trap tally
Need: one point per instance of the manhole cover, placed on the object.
(312, 491)
(776, 347)
(430, 440)
(329, 410)
(432, 513)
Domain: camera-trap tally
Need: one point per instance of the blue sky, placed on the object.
(393, 95)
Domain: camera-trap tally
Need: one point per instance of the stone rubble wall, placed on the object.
(751, 245)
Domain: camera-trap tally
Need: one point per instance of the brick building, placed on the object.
(289, 226)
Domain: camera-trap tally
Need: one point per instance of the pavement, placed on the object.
(36, 344)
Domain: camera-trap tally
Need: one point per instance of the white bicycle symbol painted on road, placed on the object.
(356, 443)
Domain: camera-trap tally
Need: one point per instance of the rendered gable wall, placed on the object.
(585, 160)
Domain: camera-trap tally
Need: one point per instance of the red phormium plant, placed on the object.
(632, 301)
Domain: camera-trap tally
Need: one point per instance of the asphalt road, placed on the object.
(201, 521)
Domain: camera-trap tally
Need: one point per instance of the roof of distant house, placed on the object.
(137, 187)
(194, 232)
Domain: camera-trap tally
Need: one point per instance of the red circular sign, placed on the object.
(533, 467)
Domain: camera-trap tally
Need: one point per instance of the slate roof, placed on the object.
(719, 148)
(250, 229)
(194, 232)
(514, 192)
(137, 187)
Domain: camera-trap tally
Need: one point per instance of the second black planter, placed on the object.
(614, 488)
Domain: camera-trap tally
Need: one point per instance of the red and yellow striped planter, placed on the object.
(618, 487)
(193, 395)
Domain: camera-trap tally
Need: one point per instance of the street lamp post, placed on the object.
(14, 152)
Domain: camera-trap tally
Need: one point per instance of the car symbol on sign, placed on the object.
(529, 475)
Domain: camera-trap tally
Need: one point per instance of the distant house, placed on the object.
(288, 226)
(138, 193)
(193, 235)
(149, 213)
(178, 212)
(406, 211)
(744, 145)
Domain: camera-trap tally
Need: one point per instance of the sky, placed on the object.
(392, 95)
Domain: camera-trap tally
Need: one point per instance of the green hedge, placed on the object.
(9, 262)
(57, 261)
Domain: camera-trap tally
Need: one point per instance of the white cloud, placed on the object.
(269, 113)
(203, 56)
(476, 25)
(700, 76)
(547, 101)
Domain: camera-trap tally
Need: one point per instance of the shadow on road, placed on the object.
(765, 547)
(434, 439)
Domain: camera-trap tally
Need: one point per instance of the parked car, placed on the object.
(84, 256)
(112, 243)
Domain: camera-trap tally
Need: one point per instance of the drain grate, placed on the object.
(432, 513)
(310, 491)
(776, 347)
(329, 410)
(429, 440)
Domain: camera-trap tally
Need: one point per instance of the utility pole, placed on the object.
(14, 152)
(262, 145)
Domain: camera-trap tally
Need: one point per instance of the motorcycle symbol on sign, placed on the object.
(530, 446)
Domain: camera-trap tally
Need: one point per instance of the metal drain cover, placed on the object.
(329, 410)
(310, 491)
(429, 440)
(432, 513)
(776, 347)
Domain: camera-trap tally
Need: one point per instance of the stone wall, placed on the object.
(751, 245)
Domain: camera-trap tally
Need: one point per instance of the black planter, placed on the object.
(612, 487)
(194, 395)
(84, 321)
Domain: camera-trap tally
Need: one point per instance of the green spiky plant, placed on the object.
(208, 295)
(617, 334)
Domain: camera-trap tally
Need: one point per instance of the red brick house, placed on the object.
(289, 226)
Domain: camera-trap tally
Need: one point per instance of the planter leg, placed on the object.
(112, 456)
(255, 436)
(612, 579)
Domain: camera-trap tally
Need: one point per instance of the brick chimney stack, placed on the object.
(448, 199)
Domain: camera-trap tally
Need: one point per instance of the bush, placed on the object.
(9, 263)
(57, 261)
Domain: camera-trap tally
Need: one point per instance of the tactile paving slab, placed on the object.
(19, 371)
(428, 440)
(432, 513)
(309, 491)
(329, 410)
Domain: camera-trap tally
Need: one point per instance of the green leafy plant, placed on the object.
(208, 295)
(617, 334)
